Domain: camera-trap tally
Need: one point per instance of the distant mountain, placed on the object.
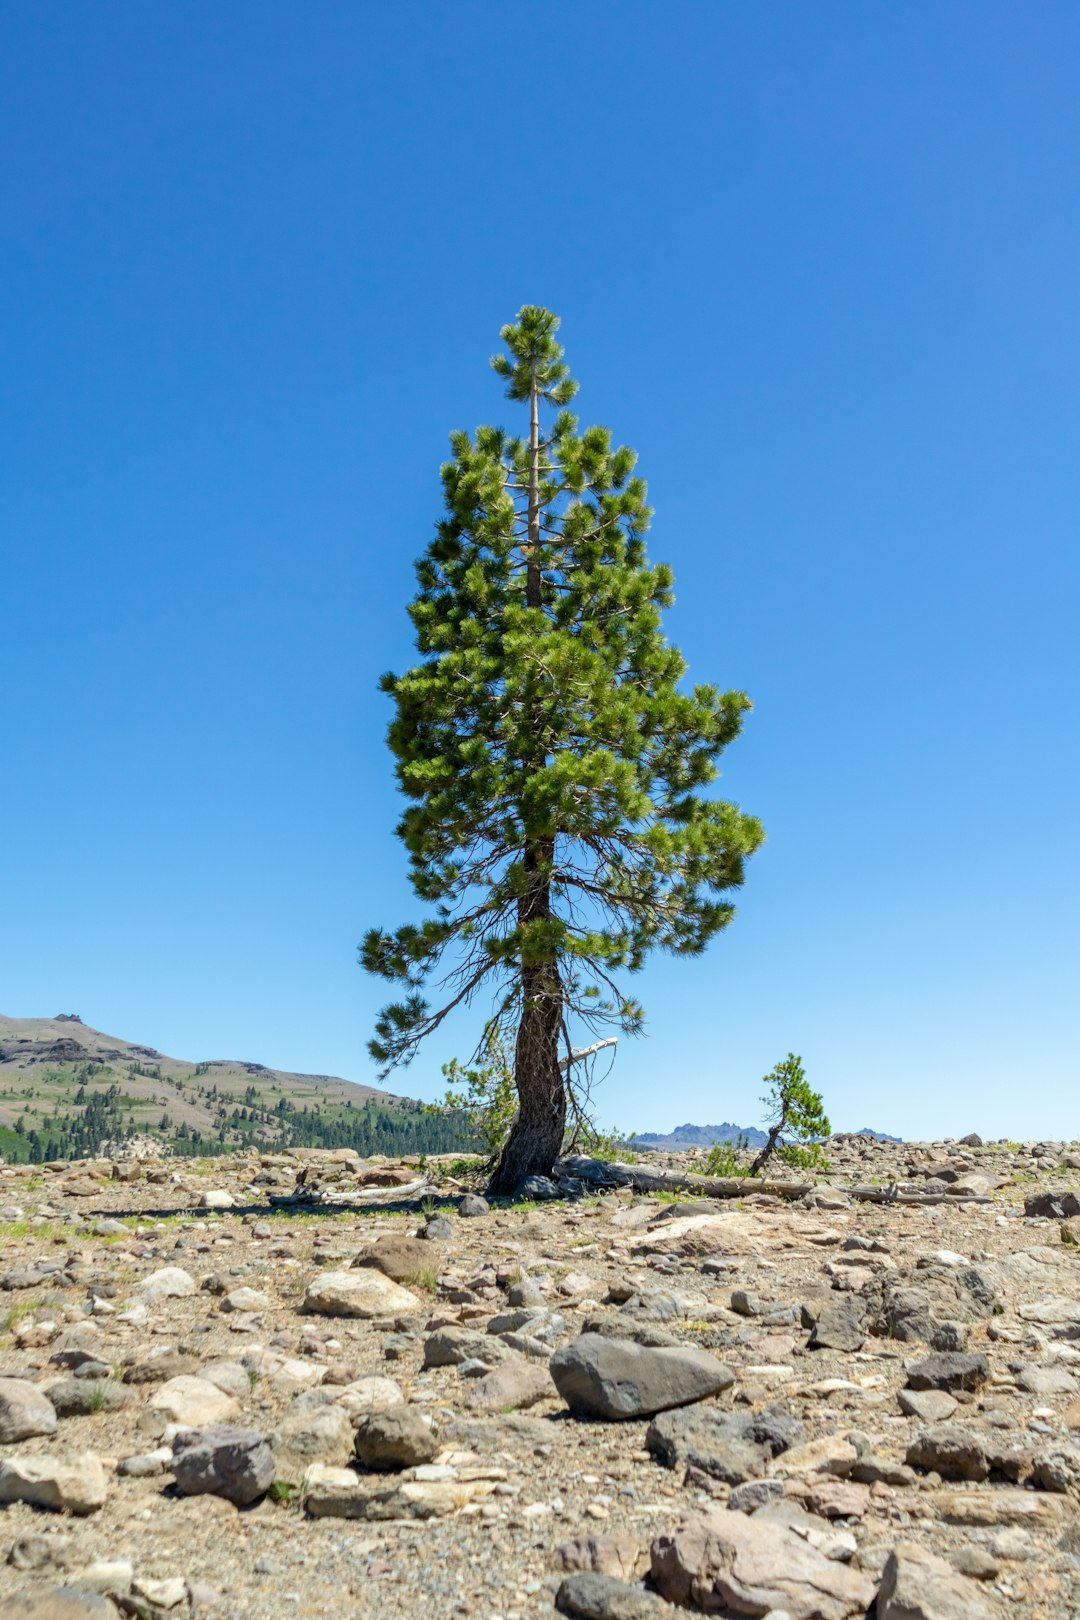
(879, 1136)
(67, 1090)
(703, 1136)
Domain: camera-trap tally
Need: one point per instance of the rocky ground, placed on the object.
(224, 1395)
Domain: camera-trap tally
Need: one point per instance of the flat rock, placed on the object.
(77, 1486)
(24, 1411)
(58, 1603)
(917, 1585)
(401, 1258)
(615, 1379)
(452, 1346)
(364, 1293)
(1047, 1381)
(752, 1566)
(929, 1405)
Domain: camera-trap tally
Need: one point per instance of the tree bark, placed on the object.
(768, 1150)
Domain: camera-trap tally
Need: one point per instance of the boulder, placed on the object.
(917, 1585)
(839, 1325)
(752, 1565)
(616, 1379)
(401, 1258)
(24, 1411)
(1059, 1206)
(952, 1452)
(617, 1555)
(222, 1460)
(451, 1346)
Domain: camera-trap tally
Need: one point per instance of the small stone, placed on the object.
(109, 1575)
(395, 1439)
(83, 1397)
(436, 1229)
(473, 1205)
(39, 1552)
(221, 1460)
(371, 1394)
(976, 1563)
(745, 1304)
(451, 1346)
(246, 1299)
(1047, 1381)
(165, 1594)
(24, 1411)
(952, 1452)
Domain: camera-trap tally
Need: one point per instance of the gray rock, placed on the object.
(949, 1336)
(603, 1597)
(437, 1229)
(450, 1346)
(512, 1387)
(618, 1555)
(398, 1438)
(839, 1325)
(538, 1189)
(950, 1370)
(615, 1379)
(1059, 1469)
(1047, 1381)
(746, 1304)
(306, 1437)
(729, 1446)
(976, 1563)
(929, 1405)
(24, 1411)
(1059, 1206)
(955, 1453)
(223, 1460)
(473, 1205)
(754, 1494)
(917, 1585)
(82, 1397)
(35, 1551)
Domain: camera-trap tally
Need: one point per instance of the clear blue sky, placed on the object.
(817, 263)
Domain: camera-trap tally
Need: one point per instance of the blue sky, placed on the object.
(818, 264)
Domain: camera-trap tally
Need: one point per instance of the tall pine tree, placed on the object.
(551, 755)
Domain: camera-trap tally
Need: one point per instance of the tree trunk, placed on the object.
(536, 1136)
(767, 1151)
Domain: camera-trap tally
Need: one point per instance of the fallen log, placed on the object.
(891, 1195)
(597, 1173)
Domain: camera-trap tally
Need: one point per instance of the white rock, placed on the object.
(165, 1594)
(171, 1282)
(78, 1486)
(107, 1575)
(246, 1299)
(217, 1198)
(192, 1402)
(364, 1292)
(372, 1394)
(24, 1411)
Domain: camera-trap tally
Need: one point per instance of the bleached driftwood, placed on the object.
(892, 1195)
(595, 1172)
(583, 1052)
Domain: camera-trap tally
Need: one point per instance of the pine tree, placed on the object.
(551, 755)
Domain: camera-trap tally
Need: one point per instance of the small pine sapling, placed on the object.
(796, 1118)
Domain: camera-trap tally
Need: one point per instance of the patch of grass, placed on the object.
(98, 1400)
(425, 1277)
(281, 1491)
(254, 1379)
(1069, 1237)
(19, 1312)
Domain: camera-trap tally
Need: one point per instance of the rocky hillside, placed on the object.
(67, 1090)
(246, 1388)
